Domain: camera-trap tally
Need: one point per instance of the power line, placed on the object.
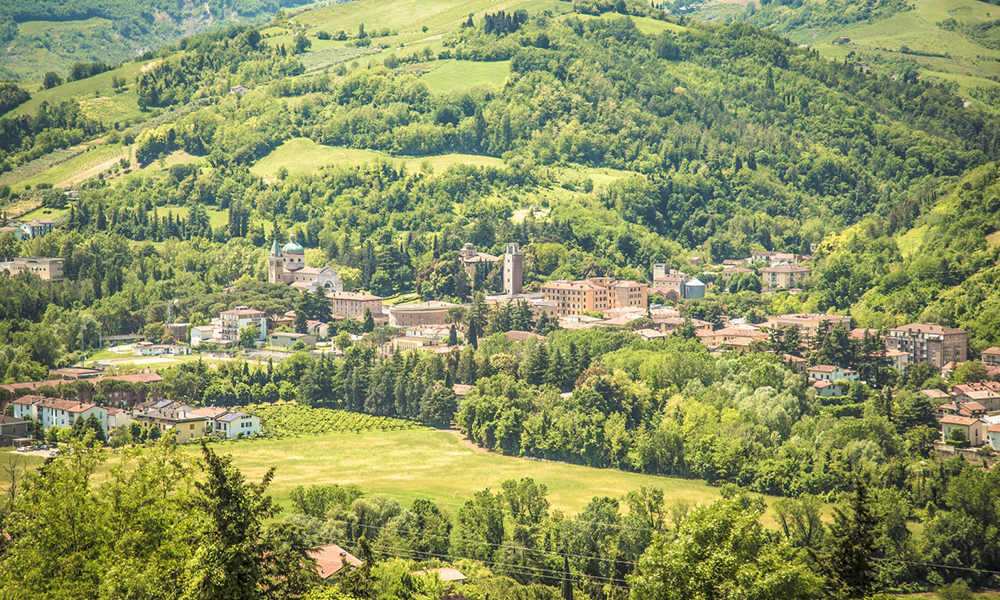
(513, 568)
(926, 564)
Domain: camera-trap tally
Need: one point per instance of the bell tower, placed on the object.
(275, 264)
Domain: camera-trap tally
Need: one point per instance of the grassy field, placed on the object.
(437, 465)
(302, 155)
(95, 95)
(448, 75)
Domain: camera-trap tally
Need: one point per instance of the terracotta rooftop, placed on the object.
(331, 558)
(957, 420)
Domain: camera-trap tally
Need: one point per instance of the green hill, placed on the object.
(956, 41)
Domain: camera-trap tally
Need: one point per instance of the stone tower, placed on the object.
(275, 264)
(512, 267)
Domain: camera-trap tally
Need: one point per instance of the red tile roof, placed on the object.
(331, 558)
(957, 420)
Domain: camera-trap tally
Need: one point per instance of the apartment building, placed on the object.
(235, 320)
(783, 276)
(929, 343)
(808, 323)
(596, 294)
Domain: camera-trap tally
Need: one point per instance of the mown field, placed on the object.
(433, 464)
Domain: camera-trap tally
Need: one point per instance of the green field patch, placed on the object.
(651, 26)
(302, 155)
(76, 167)
(448, 75)
(123, 106)
(290, 419)
(159, 167)
(910, 242)
(405, 298)
(436, 465)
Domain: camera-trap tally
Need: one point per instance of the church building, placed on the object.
(287, 265)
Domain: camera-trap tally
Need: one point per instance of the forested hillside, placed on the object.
(51, 35)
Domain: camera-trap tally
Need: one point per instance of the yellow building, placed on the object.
(596, 294)
(170, 416)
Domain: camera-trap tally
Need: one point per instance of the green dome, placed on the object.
(292, 248)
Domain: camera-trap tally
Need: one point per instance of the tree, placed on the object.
(971, 371)
(249, 335)
(51, 80)
(438, 406)
(300, 44)
(452, 336)
(368, 322)
(852, 545)
(233, 553)
(722, 551)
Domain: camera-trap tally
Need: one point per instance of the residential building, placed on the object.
(795, 363)
(670, 324)
(993, 436)
(936, 395)
(783, 276)
(898, 359)
(596, 294)
(287, 265)
(404, 343)
(332, 559)
(237, 319)
(229, 423)
(318, 328)
(650, 334)
(58, 412)
(352, 305)
(808, 323)
(201, 334)
(974, 429)
(827, 389)
(151, 349)
(736, 337)
(13, 429)
(513, 267)
(180, 419)
(14, 231)
(36, 228)
(119, 390)
(991, 357)
(831, 373)
(420, 313)
(238, 90)
(929, 343)
(48, 269)
(118, 417)
(285, 339)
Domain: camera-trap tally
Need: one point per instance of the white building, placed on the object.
(61, 413)
(229, 424)
(236, 320)
(201, 334)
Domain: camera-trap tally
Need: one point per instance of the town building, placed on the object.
(48, 269)
(36, 228)
(736, 337)
(674, 285)
(14, 231)
(670, 324)
(421, 313)
(535, 301)
(151, 349)
(168, 416)
(318, 328)
(58, 412)
(74, 373)
(352, 305)
(991, 357)
(808, 323)
(287, 339)
(229, 423)
(238, 90)
(201, 334)
(235, 320)
(118, 390)
(783, 276)
(513, 269)
(596, 294)
(973, 428)
(831, 373)
(13, 429)
(929, 343)
(407, 342)
(287, 265)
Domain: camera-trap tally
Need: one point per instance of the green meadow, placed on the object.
(436, 465)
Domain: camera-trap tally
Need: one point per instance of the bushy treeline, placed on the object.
(26, 137)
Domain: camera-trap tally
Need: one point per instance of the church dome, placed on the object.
(292, 248)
